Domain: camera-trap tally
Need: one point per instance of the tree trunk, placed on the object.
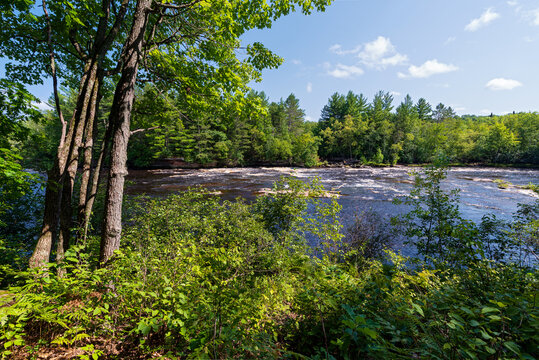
(119, 120)
(104, 39)
(90, 138)
(86, 101)
(96, 177)
(53, 192)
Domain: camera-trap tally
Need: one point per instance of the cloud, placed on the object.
(502, 84)
(345, 71)
(450, 40)
(512, 3)
(429, 68)
(308, 118)
(42, 105)
(296, 62)
(535, 17)
(381, 53)
(309, 87)
(337, 49)
(487, 17)
(395, 93)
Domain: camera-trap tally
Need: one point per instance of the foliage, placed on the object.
(434, 224)
(502, 184)
(533, 187)
(19, 189)
(369, 236)
(351, 128)
(233, 131)
(202, 278)
(436, 228)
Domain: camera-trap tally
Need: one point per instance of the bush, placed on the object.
(369, 235)
(201, 278)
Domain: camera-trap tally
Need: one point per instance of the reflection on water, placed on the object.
(361, 188)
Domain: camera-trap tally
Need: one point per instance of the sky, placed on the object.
(479, 57)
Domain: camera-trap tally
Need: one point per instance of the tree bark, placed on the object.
(86, 176)
(53, 192)
(86, 101)
(119, 120)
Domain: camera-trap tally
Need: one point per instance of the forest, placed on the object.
(350, 130)
(87, 272)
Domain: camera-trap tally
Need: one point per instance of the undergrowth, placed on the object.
(197, 277)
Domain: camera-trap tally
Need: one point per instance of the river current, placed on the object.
(360, 188)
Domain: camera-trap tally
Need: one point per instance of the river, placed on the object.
(360, 188)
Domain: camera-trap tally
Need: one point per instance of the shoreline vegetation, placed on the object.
(197, 277)
(179, 163)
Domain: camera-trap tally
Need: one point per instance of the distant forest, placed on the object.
(351, 129)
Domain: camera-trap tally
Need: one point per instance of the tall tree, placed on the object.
(70, 42)
(190, 45)
(442, 112)
(294, 115)
(424, 110)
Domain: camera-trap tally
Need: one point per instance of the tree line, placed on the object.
(350, 128)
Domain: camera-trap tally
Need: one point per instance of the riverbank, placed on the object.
(201, 278)
(179, 163)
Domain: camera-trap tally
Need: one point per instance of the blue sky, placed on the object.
(476, 56)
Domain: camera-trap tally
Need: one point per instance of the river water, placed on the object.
(360, 188)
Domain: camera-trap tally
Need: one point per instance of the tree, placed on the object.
(294, 115)
(442, 113)
(67, 41)
(424, 110)
(16, 185)
(213, 30)
(500, 143)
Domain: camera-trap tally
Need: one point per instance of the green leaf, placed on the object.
(144, 328)
(487, 309)
(418, 309)
(512, 346)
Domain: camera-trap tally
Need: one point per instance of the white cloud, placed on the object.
(296, 62)
(502, 84)
(512, 3)
(535, 17)
(395, 93)
(345, 71)
(487, 17)
(308, 118)
(309, 87)
(381, 53)
(337, 49)
(450, 40)
(429, 68)
(42, 105)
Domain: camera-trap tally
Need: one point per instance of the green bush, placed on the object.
(197, 277)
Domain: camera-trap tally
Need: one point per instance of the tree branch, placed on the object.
(142, 130)
(76, 45)
(54, 76)
(179, 7)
